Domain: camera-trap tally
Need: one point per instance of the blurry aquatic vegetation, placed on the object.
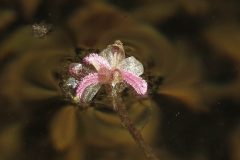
(11, 140)
(224, 41)
(38, 75)
(63, 128)
(234, 144)
(189, 72)
(33, 83)
(177, 80)
(26, 8)
(29, 8)
(7, 18)
(159, 11)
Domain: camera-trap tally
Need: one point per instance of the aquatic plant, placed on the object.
(115, 72)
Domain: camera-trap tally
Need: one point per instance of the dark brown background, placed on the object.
(191, 53)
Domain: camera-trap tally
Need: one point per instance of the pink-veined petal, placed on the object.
(97, 61)
(91, 79)
(139, 84)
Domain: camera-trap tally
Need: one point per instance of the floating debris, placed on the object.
(40, 30)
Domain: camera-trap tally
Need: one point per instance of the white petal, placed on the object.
(107, 54)
(90, 92)
(131, 64)
(114, 53)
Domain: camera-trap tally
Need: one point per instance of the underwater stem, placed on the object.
(120, 109)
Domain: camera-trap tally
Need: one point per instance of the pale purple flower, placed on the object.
(111, 68)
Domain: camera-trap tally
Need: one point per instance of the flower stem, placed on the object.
(120, 109)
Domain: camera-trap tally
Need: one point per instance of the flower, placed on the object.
(110, 68)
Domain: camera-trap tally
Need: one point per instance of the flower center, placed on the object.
(107, 76)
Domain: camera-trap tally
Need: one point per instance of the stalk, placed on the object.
(121, 110)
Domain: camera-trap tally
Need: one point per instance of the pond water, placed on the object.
(190, 50)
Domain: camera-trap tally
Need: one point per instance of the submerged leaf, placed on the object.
(64, 128)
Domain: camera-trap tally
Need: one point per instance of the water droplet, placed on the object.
(71, 82)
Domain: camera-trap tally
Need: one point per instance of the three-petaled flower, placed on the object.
(110, 68)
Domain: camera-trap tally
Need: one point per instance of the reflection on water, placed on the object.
(190, 51)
